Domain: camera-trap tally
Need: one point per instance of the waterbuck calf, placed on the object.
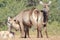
(6, 34)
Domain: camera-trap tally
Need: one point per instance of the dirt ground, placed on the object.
(33, 37)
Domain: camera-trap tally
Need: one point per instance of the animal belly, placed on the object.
(26, 19)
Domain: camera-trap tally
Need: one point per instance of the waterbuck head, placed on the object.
(10, 20)
(13, 23)
(45, 5)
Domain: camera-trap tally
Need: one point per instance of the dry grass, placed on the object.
(33, 37)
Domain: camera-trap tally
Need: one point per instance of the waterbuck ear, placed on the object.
(41, 2)
(9, 18)
(49, 3)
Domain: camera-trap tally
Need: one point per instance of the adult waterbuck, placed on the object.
(45, 12)
(23, 19)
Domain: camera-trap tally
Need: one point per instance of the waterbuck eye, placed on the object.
(14, 20)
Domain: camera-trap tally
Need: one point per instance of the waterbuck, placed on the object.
(45, 12)
(23, 19)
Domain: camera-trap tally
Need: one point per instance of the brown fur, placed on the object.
(45, 12)
(27, 18)
(24, 21)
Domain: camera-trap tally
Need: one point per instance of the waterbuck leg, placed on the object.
(28, 32)
(25, 30)
(22, 30)
(37, 33)
(45, 29)
(41, 33)
(25, 34)
(19, 28)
